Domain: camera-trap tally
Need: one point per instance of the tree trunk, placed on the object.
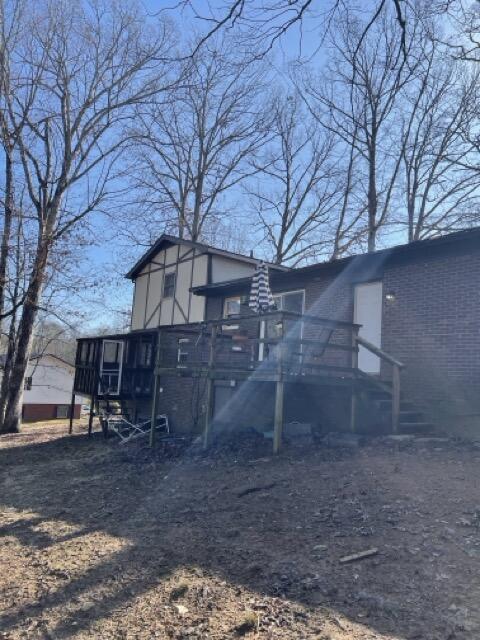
(7, 227)
(372, 200)
(13, 411)
(7, 368)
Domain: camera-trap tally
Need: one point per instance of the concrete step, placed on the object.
(386, 405)
(408, 417)
(415, 427)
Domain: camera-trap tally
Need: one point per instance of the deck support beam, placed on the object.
(353, 408)
(90, 417)
(156, 390)
(278, 420)
(208, 413)
(72, 410)
(153, 418)
(395, 397)
(210, 387)
(354, 398)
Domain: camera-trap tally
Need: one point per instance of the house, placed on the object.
(47, 391)
(386, 341)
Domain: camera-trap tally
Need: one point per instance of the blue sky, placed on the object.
(107, 256)
(110, 256)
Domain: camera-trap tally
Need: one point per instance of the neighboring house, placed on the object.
(48, 389)
(415, 307)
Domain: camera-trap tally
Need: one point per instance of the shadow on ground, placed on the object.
(97, 538)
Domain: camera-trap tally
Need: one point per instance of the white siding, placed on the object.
(227, 269)
(154, 297)
(184, 276)
(166, 311)
(52, 382)
(139, 302)
(150, 309)
(171, 255)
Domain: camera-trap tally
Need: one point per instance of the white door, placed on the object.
(368, 313)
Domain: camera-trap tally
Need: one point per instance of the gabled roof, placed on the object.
(166, 240)
(374, 262)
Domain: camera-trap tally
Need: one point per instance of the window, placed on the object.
(288, 301)
(145, 354)
(142, 382)
(182, 353)
(111, 352)
(28, 383)
(84, 353)
(235, 306)
(63, 411)
(231, 307)
(111, 367)
(169, 285)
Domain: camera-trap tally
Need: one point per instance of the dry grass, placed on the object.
(103, 541)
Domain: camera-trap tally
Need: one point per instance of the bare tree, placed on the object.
(299, 188)
(263, 24)
(194, 147)
(358, 101)
(11, 15)
(83, 67)
(441, 179)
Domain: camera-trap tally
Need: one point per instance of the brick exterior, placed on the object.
(433, 326)
(36, 412)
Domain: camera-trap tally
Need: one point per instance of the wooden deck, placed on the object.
(281, 347)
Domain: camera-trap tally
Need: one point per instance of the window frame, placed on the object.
(182, 364)
(242, 301)
(166, 288)
(276, 297)
(111, 372)
(62, 408)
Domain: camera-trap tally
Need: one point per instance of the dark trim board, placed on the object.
(168, 240)
(361, 268)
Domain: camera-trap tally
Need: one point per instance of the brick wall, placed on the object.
(35, 412)
(433, 326)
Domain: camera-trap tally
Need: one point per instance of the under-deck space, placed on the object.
(237, 358)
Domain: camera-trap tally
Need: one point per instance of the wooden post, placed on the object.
(153, 418)
(72, 409)
(156, 389)
(353, 402)
(210, 388)
(96, 383)
(278, 421)
(395, 397)
(279, 395)
(90, 417)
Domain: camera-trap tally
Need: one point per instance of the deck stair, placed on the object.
(377, 401)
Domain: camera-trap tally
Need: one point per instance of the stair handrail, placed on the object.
(379, 352)
(397, 367)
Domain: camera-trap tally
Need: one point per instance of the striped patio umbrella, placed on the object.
(261, 298)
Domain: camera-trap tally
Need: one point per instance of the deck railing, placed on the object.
(397, 367)
(268, 345)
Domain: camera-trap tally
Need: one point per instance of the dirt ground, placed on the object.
(99, 540)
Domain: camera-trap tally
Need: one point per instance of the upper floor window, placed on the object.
(169, 285)
(235, 306)
(290, 301)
